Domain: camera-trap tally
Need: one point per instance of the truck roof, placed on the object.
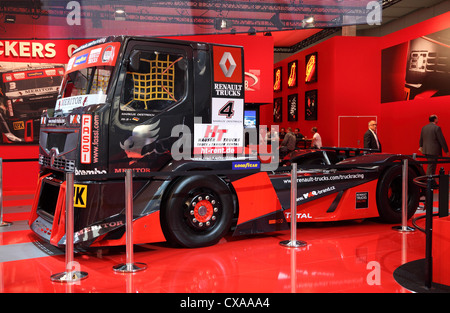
(25, 69)
(125, 38)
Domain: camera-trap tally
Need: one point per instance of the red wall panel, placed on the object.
(19, 175)
(402, 120)
(347, 83)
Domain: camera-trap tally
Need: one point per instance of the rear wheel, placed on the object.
(389, 195)
(198, 211)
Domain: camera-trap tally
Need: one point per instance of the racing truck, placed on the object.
(172, 111)
(24, 94)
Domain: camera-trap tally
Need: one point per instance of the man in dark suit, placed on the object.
(371, 140)
(432, 142)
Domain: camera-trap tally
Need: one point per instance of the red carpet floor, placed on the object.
(344, 257)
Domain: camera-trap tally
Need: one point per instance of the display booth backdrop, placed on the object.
(349, 85)
(258, 52)
(20, 167)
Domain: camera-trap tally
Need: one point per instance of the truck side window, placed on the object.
(159, 83)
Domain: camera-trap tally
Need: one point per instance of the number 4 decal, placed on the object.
(227, 109)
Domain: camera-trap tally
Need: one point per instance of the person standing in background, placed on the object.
(316, 141)
(288, 143)
(371, 140)
(432, 142)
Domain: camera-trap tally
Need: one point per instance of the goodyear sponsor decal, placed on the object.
(246, 165)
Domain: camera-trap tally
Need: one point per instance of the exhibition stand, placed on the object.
(431, 274)
(428, 275)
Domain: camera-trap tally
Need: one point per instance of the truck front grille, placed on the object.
(58, 163)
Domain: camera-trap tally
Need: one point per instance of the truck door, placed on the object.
(153, 94)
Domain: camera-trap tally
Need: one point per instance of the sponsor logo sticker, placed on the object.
(80, 195)
(86, 138)
(242, 165)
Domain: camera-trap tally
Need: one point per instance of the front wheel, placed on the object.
(197, 212)
(389, 195)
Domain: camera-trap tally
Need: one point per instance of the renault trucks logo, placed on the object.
(228, 76)
(227, 64)
(86, 138)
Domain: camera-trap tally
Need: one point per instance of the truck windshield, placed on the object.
(87, 81)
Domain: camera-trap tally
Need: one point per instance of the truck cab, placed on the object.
(152, 105)
(24, 94)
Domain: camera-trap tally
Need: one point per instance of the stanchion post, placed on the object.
(404, 227)
(429, 232)
(129, 266)
(2, 222)
(69, 276)
(293, 243)
(443, 193)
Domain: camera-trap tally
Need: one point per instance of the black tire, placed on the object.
(389, 195)
(197, 212)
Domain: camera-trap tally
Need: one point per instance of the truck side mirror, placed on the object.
(133, 61)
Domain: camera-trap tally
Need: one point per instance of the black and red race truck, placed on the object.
(173, 112)
(24, 94)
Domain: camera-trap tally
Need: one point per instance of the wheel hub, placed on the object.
(203, 211)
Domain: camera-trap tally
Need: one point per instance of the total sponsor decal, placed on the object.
(300, 216)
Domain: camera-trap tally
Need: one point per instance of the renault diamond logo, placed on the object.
(223, 64)
(53, 153)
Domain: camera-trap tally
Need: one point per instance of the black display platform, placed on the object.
(411, 276)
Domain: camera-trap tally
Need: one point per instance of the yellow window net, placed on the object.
(158, 84)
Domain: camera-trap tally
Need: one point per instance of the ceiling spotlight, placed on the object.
(308, 21)
(276, 21)
(11, 19)
(221, 23)
(251, 31)
(120, 14)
